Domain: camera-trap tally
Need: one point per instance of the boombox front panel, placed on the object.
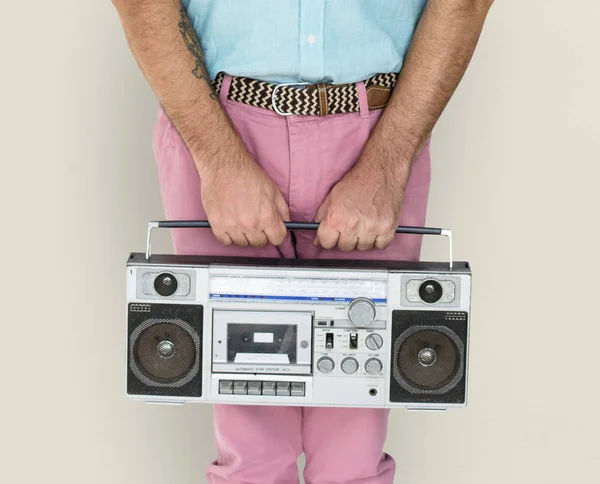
(164, 349)
(428, 357)
(351, 362)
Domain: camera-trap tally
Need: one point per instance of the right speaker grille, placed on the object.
(428, 357)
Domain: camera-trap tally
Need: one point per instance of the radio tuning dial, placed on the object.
(325, 364)
(361, 312)
(373, 366)
(374, 341)
(349, 365)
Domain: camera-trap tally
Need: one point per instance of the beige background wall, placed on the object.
(517, 168)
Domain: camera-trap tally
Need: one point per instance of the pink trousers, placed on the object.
(305, 157)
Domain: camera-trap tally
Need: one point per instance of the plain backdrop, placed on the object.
(516, 175)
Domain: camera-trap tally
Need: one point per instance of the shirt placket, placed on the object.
(312, 62)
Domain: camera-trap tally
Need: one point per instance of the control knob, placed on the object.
(349, 365)
(325, 364)
(361, 311)
(373, 366)
(374, 341)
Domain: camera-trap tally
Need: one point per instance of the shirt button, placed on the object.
(311, 39)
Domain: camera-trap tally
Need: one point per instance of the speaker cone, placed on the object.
(165, 352)
(165, 284)
(431, 291)
(428, 360)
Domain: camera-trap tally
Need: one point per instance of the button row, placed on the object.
(270, 388)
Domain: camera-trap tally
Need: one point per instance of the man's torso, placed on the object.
(338, 41)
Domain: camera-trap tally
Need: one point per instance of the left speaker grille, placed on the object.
(165, 350)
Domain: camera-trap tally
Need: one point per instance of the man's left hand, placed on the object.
(362, 210)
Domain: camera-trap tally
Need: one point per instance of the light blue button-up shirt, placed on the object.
(335, 41)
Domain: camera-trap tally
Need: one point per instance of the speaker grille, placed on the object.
(428, 357)
(165, 350)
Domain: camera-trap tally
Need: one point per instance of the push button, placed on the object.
(297, 389)
(268, 388)
(283, 388)
(240, 388)
(254, 388)
(226, 387)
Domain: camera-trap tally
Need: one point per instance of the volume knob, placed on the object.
(361, 312)
(373, 366)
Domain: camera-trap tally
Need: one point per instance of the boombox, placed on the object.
(377, 334)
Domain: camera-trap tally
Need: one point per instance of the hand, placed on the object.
(244, 207)
(361, 211)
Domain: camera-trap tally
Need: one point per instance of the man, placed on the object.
(350, 149)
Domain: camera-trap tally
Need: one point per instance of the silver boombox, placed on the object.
(377, 334)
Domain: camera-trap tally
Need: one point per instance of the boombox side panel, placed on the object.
(144, 315)
(450, 324)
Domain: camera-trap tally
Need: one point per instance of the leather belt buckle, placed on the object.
(274, 96)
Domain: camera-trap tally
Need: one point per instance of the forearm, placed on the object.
(440, 52)
(171, 59)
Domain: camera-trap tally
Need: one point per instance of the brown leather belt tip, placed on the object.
(308, 99)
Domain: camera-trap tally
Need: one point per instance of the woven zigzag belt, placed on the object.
(311, 99)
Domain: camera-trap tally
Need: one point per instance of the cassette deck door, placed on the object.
(263, 342)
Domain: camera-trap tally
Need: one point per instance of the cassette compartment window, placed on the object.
(261, 338)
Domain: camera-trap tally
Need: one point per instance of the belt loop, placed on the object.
(323, 106)
(362, 100)
(225, 88)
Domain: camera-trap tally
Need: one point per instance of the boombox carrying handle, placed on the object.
(197, 224)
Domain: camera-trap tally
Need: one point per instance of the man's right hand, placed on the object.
(244, 207)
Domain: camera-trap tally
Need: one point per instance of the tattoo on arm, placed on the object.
(195, 48)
